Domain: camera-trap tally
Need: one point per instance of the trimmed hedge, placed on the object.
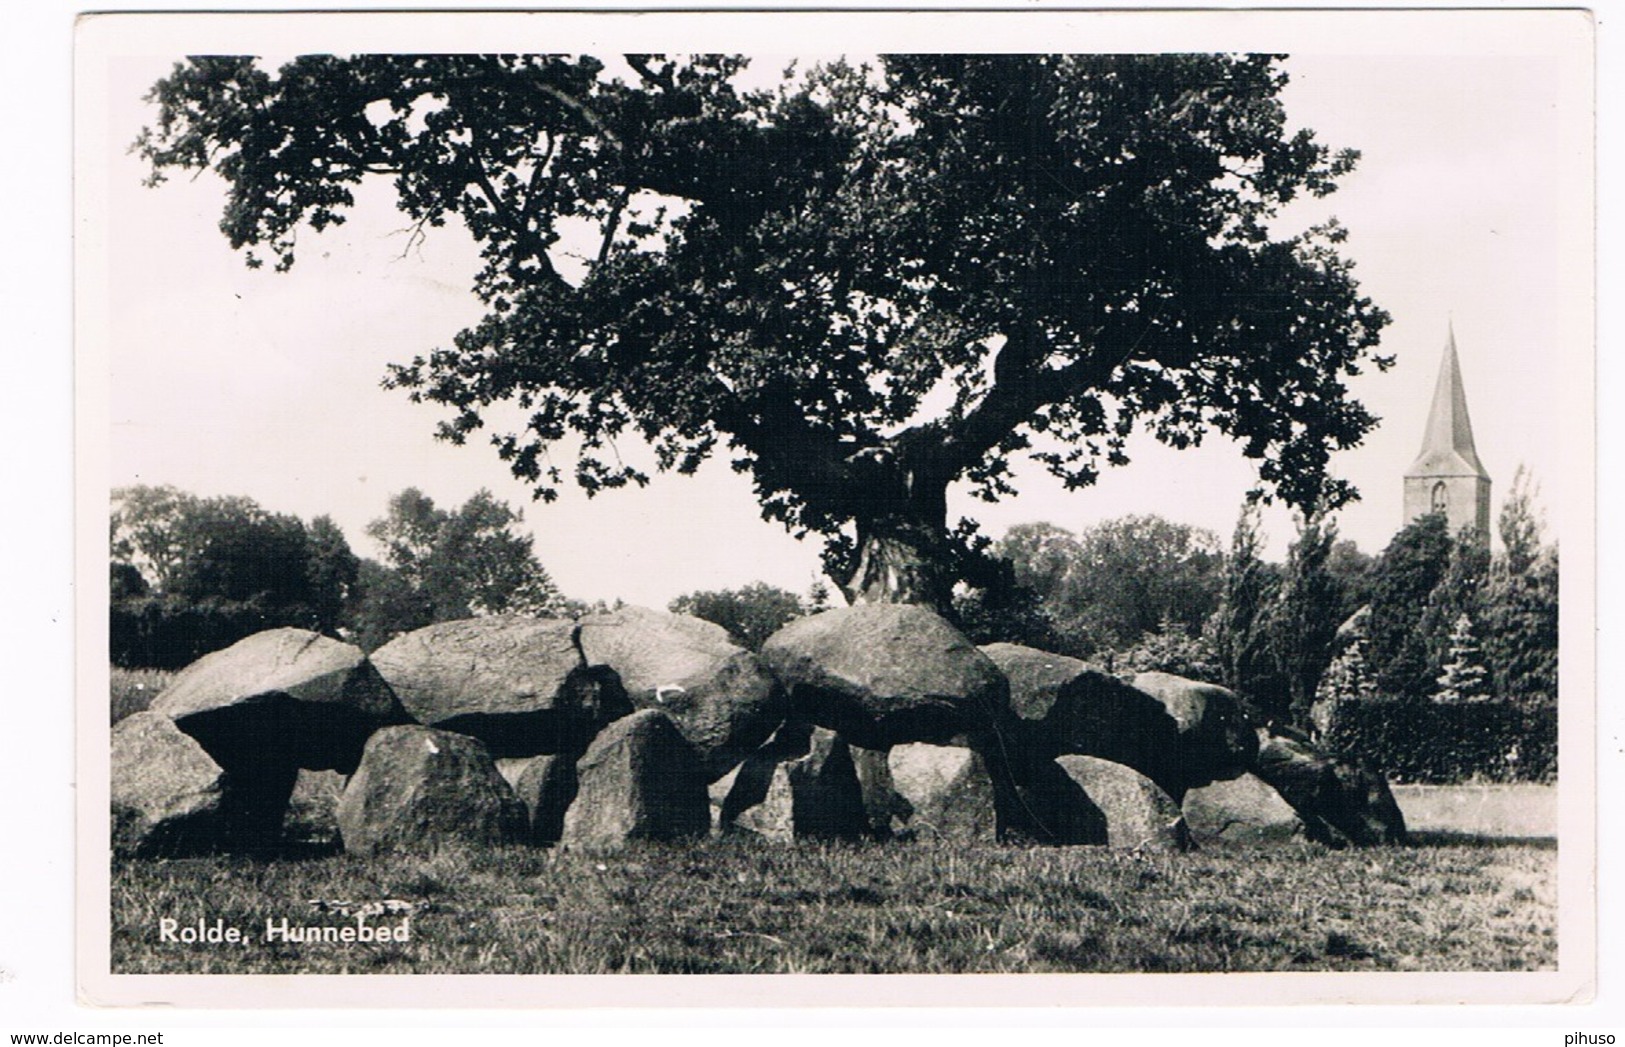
(168, 632)
(1444, 743)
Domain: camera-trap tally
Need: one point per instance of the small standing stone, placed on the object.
(418, 787)
(1139, 815)
(639, 780)
(166, 791)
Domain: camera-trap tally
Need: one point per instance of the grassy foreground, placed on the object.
(736, 905)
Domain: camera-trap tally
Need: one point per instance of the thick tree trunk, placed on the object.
(901, 564)
(904, 553)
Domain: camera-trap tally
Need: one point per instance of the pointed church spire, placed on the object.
(1447, 476)
(1447, 444)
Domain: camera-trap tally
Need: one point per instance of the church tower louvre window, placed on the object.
(1447, 475)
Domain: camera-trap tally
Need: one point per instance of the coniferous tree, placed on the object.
(1347, 678)
(1460, 591)
(1237, 631)
(1464, 678)
(1520, 603)
(1402, 580)
(1301, 624)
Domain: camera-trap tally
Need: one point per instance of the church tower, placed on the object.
(1447, 476)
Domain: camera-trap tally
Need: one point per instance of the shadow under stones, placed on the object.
(1456, 839)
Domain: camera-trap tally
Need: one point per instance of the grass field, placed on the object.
(134, 689)
(735, 905)
(1516, 811)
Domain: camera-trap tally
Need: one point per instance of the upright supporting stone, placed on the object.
(418, 788)
(1245, 808)
(166, 791)
(826, 798)
(949, 791)
(547, 787)
(639, 780)
(1340, 803)
(883, 805)
(1138, 814)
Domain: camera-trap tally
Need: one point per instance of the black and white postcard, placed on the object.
(667, 508)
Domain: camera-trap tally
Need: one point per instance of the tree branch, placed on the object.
(612, 225)
(1021, 385)
(525, 240)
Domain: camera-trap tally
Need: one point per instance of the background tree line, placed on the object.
(192, 574)
(1431, 614)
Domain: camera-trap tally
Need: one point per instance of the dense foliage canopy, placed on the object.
(444, 564)
(750, 613)
(193, 574)
(1111, 583)
(865, 285)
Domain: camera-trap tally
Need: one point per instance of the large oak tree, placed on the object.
(864, 286)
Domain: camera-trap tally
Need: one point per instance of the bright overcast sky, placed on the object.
(1471, 204)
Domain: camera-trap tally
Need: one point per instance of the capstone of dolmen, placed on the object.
(718, 694)
(882, 675)
(520, 685)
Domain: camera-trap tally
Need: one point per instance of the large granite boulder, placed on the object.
(719, 695)
(639, 780)
(269, 705)
(882, 675)
(826, 797)
(1046, 806)
(418, 788)
(546, 786)
(166, 791)
(754, 779)
(1216, 741)
(520, 685)
(1245, 808)
(768, 812)
(1340, 803)
(1063, 706)
(960, 793)
(950, 792)
(717, 792)
(287, 696)
(1138, 814)
(814, 795)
